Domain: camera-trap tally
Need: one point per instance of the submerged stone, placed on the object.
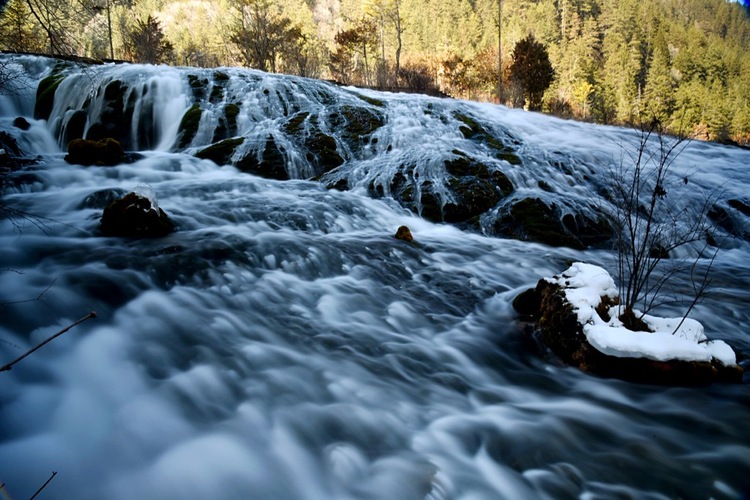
(133, 216)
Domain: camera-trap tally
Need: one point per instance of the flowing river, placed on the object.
(282, 344)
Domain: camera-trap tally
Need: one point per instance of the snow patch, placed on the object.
(585, 285)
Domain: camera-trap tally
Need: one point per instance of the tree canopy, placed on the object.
(685, 63)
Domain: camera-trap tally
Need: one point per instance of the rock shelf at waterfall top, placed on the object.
(577, 315)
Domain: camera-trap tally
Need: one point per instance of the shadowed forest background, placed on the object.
(685, 63)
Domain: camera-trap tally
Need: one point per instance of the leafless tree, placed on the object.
(652, 222)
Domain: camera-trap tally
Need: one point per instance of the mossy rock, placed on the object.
(371, 100)
(221, 152)
(322, 150)
(294, 125)
(272, 164)
(198, 86)
(45, 95)
(133, 216)
(532, 219)
(355, 124)
(473, 197)
(472, 130)
(189, 126)
(227, 125)
(105, 152)
(114, 120)
(323, 147)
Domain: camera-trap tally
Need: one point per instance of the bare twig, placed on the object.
(90, 315)
(39, 297)
(54, 473)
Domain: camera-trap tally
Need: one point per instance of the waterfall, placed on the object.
(281, 343)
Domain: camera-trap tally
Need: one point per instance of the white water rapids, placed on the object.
(281, 344)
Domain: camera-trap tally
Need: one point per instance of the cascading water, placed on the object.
(282, 344)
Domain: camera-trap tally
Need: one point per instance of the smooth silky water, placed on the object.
(281, 344)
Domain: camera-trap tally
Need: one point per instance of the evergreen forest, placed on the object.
(682, 63)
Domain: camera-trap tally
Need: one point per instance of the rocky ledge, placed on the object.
(575, 316)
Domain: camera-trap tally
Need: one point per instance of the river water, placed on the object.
(281, 344)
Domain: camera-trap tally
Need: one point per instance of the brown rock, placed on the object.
(104, 152)
(404, 234)
(133, 216)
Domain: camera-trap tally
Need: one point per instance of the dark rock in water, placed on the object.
(531, 219)
(106, 152)
(322, 150)
(356, 124)
(272, 164)
(9, 144)
(115, 119)
(221, 152)
(22, 123)
(732, 218)
(12, 156)
(472, 130)
(75, 126)
(227, 125)
(558, 329)
(404, 234)
(133, 216)
(473, 187)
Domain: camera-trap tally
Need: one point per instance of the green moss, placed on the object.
(189, 125)
(221, 152)
(45, 95)
(227, 125)
(373, 101)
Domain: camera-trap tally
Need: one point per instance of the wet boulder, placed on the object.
(557, 326)
(135, 216)
(45, 95)
(21, 123)
(271, 164)
(188, 127)
(531, 219)
(221, 152)
(104, 152)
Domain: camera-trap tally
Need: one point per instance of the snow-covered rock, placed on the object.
(578, 313)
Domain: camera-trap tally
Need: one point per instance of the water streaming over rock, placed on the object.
(282, 344)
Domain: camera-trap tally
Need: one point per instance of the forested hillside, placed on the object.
(685, 63)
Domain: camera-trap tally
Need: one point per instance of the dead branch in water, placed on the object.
(90, 315)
